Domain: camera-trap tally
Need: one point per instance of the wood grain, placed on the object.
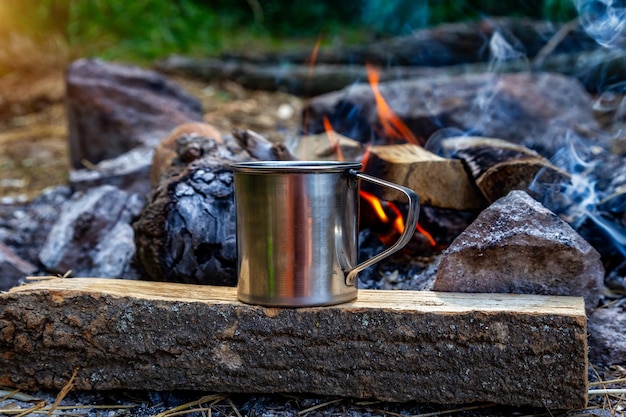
(388, 345)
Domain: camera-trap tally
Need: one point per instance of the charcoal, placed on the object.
(13, 268)
(25, 227)
(93, 235)
(129, 172)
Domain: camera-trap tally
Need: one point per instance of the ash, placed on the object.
(194, 404)
(401, 271)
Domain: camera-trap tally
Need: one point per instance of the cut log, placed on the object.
(499, 167)
(387, 345)
(328, 146)
(438, 181)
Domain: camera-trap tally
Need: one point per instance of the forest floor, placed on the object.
(34, 151)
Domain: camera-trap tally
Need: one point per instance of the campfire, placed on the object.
(521, 189)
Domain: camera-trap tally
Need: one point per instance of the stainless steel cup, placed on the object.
(297, 229)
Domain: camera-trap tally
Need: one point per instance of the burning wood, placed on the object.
(440, 182)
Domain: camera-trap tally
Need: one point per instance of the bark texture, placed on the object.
(388, 345)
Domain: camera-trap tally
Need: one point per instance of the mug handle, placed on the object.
(407, 234)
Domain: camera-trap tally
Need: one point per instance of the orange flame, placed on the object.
(333, 139)
(312, 61)
(428, 236)
(392, 125)
(398, 222)
(376, 205)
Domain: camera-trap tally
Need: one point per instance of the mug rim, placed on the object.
(294, 166)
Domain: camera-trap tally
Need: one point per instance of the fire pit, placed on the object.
(433, 139)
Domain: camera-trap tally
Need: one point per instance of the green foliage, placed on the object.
(146, 29)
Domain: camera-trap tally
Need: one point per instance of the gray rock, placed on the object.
(113, 108)
(607, 344)
(25, 227)
(518, 246)
(532, 109)
(94, 236)
(129, 172)
(13, 269)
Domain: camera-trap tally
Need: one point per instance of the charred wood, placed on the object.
(262, 148)
(186, 233)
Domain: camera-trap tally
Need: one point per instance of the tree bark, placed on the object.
(387, 345)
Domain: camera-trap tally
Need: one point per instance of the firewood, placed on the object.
(438, 181)
(165, 152)
(262, 148)
(460, 49)
(499, 167)
(328, 146)
(387, 345)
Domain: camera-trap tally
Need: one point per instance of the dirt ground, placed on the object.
(33, 126)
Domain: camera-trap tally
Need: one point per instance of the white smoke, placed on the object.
(604, 21)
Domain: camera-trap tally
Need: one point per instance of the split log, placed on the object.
(499, 167)
(259, 147)
(328, 146)
(439, 182)
(387, 345)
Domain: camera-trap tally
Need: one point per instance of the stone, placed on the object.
(607, 344)
(113, 108)
(517, 245)
(25, 227)
(129, 171)
(535, 110)
(93, 236)
(13, 269)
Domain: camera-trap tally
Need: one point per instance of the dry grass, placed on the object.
(22, 55)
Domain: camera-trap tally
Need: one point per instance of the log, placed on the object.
(439, 182)
(499, 167)
(443, 45)
(597, 70)
(387, 345)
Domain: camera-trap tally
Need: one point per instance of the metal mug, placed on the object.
(297, 231)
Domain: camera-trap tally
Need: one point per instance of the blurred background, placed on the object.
(39, 38)
(141, 30)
